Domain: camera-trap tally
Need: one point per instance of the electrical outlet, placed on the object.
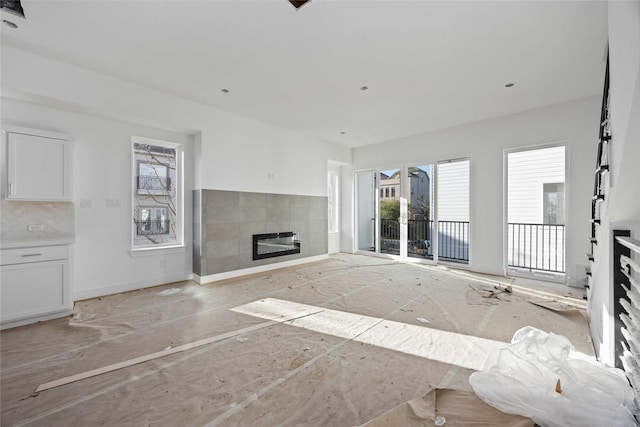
(35, 227)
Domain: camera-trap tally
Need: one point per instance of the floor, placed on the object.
(270, 367)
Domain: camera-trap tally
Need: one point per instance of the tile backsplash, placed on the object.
(57, 220)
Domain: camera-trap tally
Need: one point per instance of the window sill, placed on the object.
(162, 250)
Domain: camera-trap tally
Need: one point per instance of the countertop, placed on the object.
(15, 244)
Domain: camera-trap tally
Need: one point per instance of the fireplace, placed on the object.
(275, 244)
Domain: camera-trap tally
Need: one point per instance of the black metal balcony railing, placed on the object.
(453, 239)
(154, 183)
(536, 247)
(148, 227)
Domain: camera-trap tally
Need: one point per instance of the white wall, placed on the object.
(621, 209)
(232, 153)
(226, 152)
(101, 169)
(484, 143)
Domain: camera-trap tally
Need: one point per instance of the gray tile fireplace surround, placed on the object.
(225, 221)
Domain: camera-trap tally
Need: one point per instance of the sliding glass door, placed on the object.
(389, 189)
(419, 212)
(420, 184)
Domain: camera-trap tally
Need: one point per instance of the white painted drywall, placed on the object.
(621, 208)
(485, 143)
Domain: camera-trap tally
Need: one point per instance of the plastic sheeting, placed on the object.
(538, 376)
(280, 375)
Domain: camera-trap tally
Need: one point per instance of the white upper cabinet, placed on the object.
(38, 165)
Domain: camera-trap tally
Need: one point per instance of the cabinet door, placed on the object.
(38, 168)
(34, 289)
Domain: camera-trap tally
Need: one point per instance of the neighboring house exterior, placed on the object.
(389, 186)
(536, 186)
(420, 193)
(419, 184)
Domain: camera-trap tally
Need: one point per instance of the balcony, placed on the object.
(453, 239)
(537, 247)
(154, 184)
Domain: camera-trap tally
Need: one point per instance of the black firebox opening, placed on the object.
(275, 244)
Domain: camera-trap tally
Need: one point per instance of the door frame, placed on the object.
(404, 197)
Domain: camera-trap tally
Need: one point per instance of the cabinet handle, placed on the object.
(26, 255)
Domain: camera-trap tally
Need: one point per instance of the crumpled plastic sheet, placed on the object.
(523, 379)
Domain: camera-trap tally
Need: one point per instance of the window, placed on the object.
(157, 193)
(153, 221)
(386, 192)
(393, 191)
(153, 178)
(553, 203)
(332, 193)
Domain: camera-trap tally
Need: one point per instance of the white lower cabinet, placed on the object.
(35, 285)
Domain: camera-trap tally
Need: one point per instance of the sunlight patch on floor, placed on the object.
(447, 347)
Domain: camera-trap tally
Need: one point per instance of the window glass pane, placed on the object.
(420, 182)
(157, 199)
(453, 210)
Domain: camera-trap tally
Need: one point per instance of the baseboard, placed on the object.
(7, 324)
(259, 269)
(130, 286)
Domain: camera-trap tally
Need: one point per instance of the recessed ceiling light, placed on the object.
(342, 133)
(364, 88)
(508, 85)
(9, 24)
(224, 90)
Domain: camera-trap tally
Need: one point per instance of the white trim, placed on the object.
(36, 132)
(130, 286)
(152, 250)
(258, 269)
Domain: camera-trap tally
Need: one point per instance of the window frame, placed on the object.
(176, 183)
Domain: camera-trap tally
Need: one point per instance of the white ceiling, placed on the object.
(428, 65)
